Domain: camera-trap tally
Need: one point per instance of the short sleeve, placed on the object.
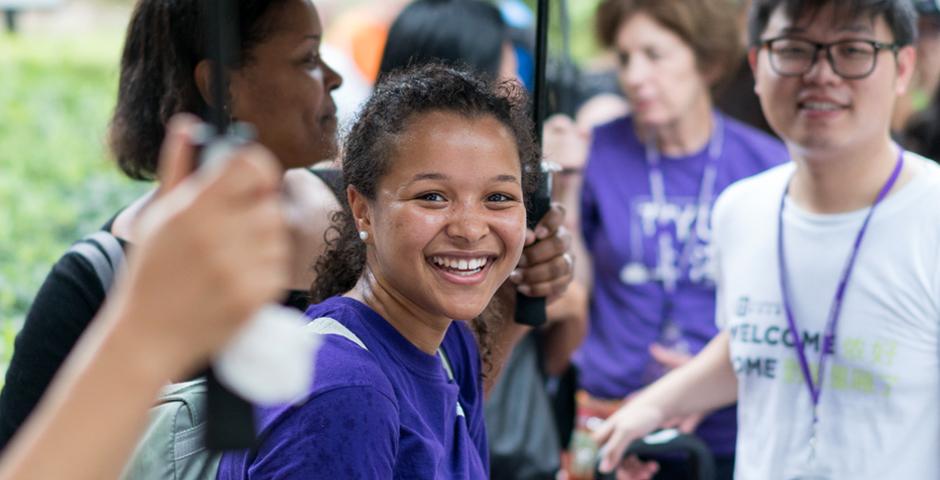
(344, 433)
(718, 214)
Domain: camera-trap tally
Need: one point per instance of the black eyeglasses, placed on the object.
(850, 59)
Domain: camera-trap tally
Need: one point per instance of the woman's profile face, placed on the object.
(658, 71)
(448, 221)
(284, 88)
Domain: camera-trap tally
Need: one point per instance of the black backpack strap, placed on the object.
(333, 178)
(104, 253)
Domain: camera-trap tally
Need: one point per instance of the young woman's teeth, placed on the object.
(460, 266)
(820, 106)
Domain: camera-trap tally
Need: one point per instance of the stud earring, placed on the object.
(363, 235)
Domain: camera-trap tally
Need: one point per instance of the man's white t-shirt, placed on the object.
(879, 414)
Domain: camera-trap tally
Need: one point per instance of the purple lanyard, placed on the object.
(705, 193)
(815, 388)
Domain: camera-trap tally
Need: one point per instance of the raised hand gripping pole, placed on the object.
(531, 310)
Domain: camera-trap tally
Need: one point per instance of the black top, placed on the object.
(69, 298)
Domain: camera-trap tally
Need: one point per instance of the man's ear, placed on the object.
(752, 61)
(906, 62)
(361, 211)
(202, 75)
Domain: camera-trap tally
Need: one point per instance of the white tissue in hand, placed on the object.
(270, 361)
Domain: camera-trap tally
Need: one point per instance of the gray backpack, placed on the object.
(172, 446)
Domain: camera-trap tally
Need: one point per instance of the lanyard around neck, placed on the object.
(665, 256)
(828, 343)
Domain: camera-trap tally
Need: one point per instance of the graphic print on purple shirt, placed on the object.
(385, 412)
(618, 222)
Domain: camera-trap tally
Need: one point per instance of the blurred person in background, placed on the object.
(140, 338)
(927, 72)
(737, 99)
(468, 33)
(649, 185)
(916, 120)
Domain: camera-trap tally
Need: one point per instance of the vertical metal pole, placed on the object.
(230, 418)
(539, 94)
(531, 310)
(9, 17)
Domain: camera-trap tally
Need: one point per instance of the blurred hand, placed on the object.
(564, 142)
(628, 423)
(212, 249)
(547, 266)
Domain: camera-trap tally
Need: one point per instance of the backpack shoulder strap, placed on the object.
(105, 254)
(450, 376)
(446, 363)
(329, 326)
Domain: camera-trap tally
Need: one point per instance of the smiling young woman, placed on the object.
(437, 171)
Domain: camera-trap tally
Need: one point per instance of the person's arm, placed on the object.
(180, 300)
(566, 329)
(706, 382)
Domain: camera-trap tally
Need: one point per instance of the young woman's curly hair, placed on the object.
(370, 149)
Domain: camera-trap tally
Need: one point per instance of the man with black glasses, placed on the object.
(828, 267)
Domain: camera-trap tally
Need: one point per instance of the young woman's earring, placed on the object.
(363, 235)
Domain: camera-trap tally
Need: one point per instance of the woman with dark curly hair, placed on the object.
(438, 168)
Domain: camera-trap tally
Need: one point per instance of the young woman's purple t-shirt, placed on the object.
(386, 412)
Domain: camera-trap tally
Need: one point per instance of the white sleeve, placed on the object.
(718, 216)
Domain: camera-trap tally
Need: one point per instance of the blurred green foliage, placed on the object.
(56, 180)
(584, 45)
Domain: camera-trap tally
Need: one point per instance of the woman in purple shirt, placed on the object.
(649, 185)
(437, 170)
